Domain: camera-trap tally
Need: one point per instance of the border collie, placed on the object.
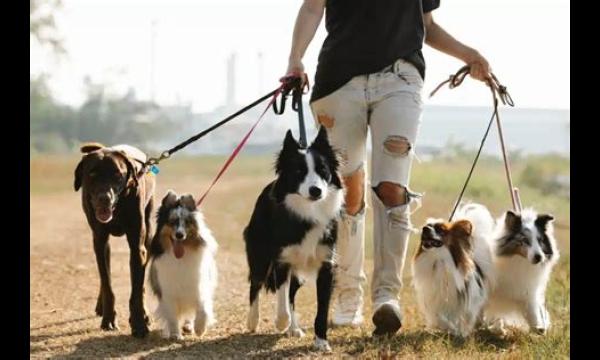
(525, 253)
(453, 270)
(183, 273)
(292, 233)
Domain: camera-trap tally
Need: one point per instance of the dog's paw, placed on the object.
(139, 327)
(109, 325)
(252, 323)
(298, 333)
(200, 330)
(177, 337)
(188, 327)
(322, 345)
(282, 322)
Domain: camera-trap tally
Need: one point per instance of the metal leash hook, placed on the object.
(153, 162)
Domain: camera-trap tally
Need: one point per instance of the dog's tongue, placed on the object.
(104, 215)
(178, 249)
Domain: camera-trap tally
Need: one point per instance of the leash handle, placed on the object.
(298, 85)
(499, 91)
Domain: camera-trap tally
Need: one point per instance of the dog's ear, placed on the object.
(462, 228)
(512, 221)
(542, 220)
(170, 199)
(89, 147)
(321, 140)
(321, 145)
(131, 171)
(289, 143)
(289, 146)
(78, 175)
(188, 202)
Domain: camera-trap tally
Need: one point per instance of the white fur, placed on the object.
(187, 285)
(438, 282)
(519, 297)
(312, 178)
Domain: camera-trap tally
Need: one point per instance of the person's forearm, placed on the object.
(439, 39)
(307, 22)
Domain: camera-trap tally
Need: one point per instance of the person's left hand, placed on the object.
(480, 67)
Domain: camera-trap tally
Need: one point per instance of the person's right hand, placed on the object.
(296, 67)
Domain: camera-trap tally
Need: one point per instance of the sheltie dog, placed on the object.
(183, 273)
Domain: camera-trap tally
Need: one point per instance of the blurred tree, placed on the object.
(52, 125)
(42, 25)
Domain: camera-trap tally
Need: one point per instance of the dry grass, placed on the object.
(64, 281)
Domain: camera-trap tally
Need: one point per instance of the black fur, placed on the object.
(273, 226)
(541, 224)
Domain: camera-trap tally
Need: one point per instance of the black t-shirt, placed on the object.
(365, 36)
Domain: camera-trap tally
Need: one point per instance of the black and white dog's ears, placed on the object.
(513, 221)
(321, 145)
(289, 143)
(542, 220)
(321, 141)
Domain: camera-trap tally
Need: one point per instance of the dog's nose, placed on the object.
(427, 230)
(104, 199)
(179, 235)
(314, 192)
(537, 258)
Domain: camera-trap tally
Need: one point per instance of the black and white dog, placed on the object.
(292, 233)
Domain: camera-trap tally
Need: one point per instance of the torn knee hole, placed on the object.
(355, 184)
(397, 145)
(325, 120)
(391, 194)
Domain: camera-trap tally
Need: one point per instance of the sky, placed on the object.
(527, 43)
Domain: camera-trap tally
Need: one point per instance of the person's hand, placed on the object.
(295, 67)
(480, 67)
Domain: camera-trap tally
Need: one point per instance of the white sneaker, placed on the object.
(386, 317)
(348, 308)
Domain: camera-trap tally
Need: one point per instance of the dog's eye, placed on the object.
(439, 229)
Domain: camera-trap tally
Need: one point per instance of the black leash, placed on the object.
(297, 87)
(498, 91)
(166, 154)
(290, 83)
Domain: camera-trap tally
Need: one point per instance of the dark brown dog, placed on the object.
(117, 201)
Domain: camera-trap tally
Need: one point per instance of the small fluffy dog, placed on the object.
(183, 274)
(292, 233)
(525, 253)
(453, 270)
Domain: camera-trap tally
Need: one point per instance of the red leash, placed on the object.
(285, 83)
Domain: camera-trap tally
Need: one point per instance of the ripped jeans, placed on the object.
(389, 103)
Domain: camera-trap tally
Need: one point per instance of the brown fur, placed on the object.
(192, 241)
(91, 146)
(104, 169)
(456, 236)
